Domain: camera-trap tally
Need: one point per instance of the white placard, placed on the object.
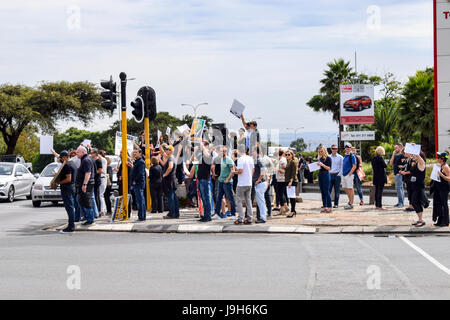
(313, 166)
(183, 128)
(86, 142)
(118, 143)
(46, 144)
(168, 131)
(291, 192)
(434, 174)
(412, 148)
(237, 108)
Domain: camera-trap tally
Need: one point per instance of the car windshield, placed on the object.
(6, 169)
(50, 170)
(8, 159)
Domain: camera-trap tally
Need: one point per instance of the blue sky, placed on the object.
(269, 55)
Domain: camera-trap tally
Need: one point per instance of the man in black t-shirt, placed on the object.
(84, 184)
(397, 162)
(67, 183)
(203, 176)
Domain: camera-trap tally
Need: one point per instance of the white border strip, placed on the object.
(426, 255)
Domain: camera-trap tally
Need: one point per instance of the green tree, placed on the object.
(188, 119)
(299, 145)
(416, 112)
(44, 106)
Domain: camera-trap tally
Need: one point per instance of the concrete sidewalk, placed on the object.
(361, 219)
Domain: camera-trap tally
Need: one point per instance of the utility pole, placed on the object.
(123, 103)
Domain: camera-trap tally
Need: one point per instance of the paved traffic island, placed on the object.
(360, 220)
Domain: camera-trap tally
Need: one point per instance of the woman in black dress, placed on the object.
(441, 190)
(418, 198)
(379, 176)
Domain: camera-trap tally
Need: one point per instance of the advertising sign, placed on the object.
(357, 104)
(358, 135)
(442, 74)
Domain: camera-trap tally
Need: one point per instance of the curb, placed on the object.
(271, 229)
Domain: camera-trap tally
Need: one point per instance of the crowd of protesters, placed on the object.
(220, 176)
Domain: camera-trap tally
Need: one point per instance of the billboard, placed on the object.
(442, 73)
(357, 104)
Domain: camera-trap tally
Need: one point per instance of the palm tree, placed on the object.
(417, 108)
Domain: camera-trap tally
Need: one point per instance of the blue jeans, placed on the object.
(94, 205)
(68, 196)
(174, 210)
(77, 209)
(260, 190)
(357, 184)
(324, 184)
(140, 202)
(335, 182)
(227, 190)
(203, 186)
(399, 188)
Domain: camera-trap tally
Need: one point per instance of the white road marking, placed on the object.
(426, 255)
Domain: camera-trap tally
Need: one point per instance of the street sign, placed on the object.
(442, 73)
(358, 136)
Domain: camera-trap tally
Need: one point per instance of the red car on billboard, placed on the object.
(358, 103)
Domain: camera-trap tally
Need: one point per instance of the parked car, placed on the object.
(358, 103)
(15, 181)
(13, 158)
(41, 190)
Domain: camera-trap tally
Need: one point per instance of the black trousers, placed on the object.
(293, 201)
(156, 193)
(440, 204)
(282, 192)
(418, 197)
(379, 194)
(97, 195)
(268, 201)
(108, 199)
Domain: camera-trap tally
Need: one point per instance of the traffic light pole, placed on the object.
(147, 159)
(123, 104)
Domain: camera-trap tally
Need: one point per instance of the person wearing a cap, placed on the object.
(441, 190)
(67, 183)
(348, 168)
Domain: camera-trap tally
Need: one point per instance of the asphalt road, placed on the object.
(88, 265)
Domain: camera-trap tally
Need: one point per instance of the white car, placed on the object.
(41, 190)
(15, 181)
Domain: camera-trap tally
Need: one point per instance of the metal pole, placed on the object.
(147, 158)
(123, 103)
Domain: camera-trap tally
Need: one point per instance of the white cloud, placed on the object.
(270, 55)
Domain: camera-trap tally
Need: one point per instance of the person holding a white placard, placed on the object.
(290, 177)
(324, 179)
(418, 197)
(441, 190)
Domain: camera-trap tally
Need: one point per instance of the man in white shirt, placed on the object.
(244, 171)
(335, 173)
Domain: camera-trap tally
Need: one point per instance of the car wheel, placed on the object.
(55, 203)
(359, 107)
(29, 197)
(11, 194)
(36, 204)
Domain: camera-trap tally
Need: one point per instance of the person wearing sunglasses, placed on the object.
(335, 174)
(441, 190)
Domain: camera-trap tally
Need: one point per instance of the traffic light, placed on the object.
(110, 95)
(138, 108)
(144, 102)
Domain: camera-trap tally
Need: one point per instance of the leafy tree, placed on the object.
(417, 109)
(44, 106)
(299, 145)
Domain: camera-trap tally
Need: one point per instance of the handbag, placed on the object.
(361, 174)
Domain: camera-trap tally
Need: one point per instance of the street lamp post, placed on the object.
(195, 107)
(295, 130)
